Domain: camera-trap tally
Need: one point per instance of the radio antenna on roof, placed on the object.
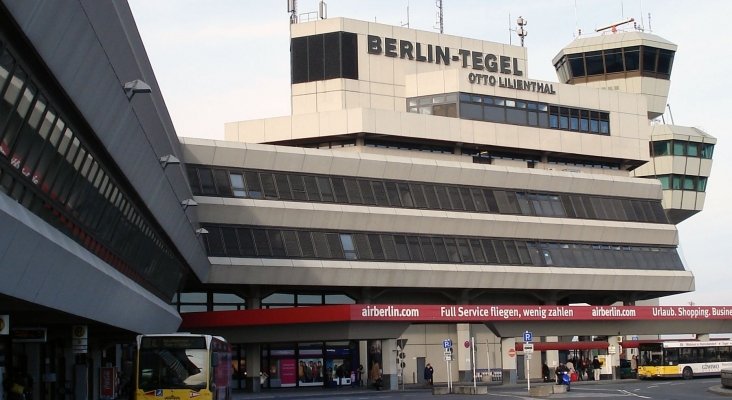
(407, 23)
(292, 9)
(440, 16)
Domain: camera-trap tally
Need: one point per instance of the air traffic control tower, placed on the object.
(640, 62)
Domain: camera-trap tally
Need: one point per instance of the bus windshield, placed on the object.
(173, 363)
(651, 354)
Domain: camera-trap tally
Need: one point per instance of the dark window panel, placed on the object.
(443, 197)
(428, 250)
(392, 194)
(254, 187)
(306, 244)
(507, 203)
(246, 242)
(276, 243)
(208, 187)
(593, 61)
(223, 185)
(311, 187)
(477, 250)
(567, 205)
(431, 197)
(231, 243)
(440, 250)
(414, 248)
(349, 249)
(454, 194)
(334, 244)
(332, 56)
(401, 248)
(339, 190)
(261, 242)
(467, 199)
(649, 58)
(501, 254)
(268, 186)
(349, 55)
(298, 187)
(632, 58)
(511, 252)
(326, 191)
(354, 192)
(299, 59)
(452, 251)
(321, 245)
(523, 252)
(215, 243)
(376, 248)
(366, 192)
(292, 246)
(379, 193)
(390, 252)
(464, 249)
(316, 67)
(478, 200)
(490, 200)
(237, 184)
(405, 195)
(283, 186)
(362, 246)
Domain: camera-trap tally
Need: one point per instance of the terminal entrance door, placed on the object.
(421, 363)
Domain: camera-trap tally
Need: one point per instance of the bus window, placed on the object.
(671, 357)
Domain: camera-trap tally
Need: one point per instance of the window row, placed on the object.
(389, 144)
(213, 301)
(681, 148)
(511, 111)
(206, 181)
(233, 241)
(44, 157)
(646, 60)
(683, 182)
(324, 56)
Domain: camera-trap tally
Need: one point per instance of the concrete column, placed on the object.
(389, 355)
(509, 362)
(253, 352)
(552, 356)
(614, 359)
(254, 367)
(462, 354)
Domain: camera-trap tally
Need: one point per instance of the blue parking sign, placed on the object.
(447, 343)
(528, 336)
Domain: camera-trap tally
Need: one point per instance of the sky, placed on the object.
(228, 60)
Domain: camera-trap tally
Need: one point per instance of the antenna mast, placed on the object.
(440, 23)
(292, 9)
(407, 24)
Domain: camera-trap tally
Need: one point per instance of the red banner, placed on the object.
(450, 313)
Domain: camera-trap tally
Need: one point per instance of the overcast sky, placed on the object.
(228, 60)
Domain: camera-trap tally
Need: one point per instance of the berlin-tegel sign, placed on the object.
(451, 313)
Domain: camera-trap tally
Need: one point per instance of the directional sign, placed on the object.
(528, 337)
(528, 348)
(447, 343)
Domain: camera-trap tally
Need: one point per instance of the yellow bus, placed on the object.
(182, 366)
(686, 359)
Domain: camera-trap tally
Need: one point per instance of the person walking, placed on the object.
(596, 364)
(429, 373)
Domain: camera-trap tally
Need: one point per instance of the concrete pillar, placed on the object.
(552, 356)
(254, 367)
(389, 356)
(463, 355)
(508, 347)
(614, 359)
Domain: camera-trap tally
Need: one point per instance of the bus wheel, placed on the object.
(688, 373)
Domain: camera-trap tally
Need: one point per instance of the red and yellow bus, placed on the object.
(686, 359)
(182, 366)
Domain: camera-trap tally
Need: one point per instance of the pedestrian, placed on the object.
(428, 374)
(359, 375)
(596, 364)
(545, 373)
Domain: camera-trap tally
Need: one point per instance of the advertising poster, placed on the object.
(287, 372)
(310, 371)
(374, 360)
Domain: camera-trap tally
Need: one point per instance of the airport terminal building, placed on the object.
(416, 168)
